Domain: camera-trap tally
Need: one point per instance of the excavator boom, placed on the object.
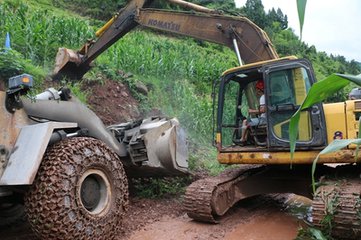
(237, 33)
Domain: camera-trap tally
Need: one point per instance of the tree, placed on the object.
(354, 67)
(283, 19)
(254, 10)
(277, 16)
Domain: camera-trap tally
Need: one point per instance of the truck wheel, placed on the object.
(80, 192)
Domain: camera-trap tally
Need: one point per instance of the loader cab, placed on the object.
(286, 84)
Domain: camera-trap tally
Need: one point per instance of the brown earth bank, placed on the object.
(111, 101)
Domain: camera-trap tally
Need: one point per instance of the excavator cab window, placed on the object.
(237, 96)
(288, 88)
(234, 110)
(286, 84)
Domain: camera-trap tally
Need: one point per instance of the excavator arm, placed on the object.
(250, 43)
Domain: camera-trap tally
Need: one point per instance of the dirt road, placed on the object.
(254, 219)
(163, 219)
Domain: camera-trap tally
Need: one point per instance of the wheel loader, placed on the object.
(69, 170)
(264, 159)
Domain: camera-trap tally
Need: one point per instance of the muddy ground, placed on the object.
(258, 218)
(263, 217)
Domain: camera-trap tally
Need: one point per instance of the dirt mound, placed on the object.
(111, 101)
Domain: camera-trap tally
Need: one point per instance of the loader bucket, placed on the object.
(157, 147)
(68, 65)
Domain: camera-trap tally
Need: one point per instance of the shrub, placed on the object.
(11, 63)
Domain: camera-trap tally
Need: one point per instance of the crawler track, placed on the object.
(337, 208)
(208, 199)
(198, 198)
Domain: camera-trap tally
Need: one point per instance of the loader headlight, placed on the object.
(21, 82)
(18, 85)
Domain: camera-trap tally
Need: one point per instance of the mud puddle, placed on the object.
(276, 217)
(269, 226)
(276, 224)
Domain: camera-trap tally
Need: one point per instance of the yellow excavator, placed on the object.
(264, 156)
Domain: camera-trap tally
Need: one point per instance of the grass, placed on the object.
(38, 33)
(41, 5)
(159, 187)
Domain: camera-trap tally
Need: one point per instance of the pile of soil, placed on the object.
(112, 101)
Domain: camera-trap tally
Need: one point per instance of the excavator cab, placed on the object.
(264, 160)
(287, 82)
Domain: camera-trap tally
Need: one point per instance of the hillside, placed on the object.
(178, 72)
(151, 73)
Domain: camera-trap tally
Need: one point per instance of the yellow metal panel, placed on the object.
(218, 138)
(300, 157)
(352, 107)
(335, 120)
(257, 64)
(304, 133)
(300, 88)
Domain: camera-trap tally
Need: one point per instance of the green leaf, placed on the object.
(318, 92)
(301, 8)
(317, 234)
(334, 146)
(338, 144)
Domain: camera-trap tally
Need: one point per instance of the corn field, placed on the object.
(148, 54)
(185, 72)
(37, 34)
(182, 70)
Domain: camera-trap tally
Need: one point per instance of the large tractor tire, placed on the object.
(80, 192)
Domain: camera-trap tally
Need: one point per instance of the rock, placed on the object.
(141, 88)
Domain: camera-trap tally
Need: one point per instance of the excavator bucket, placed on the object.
(67, 65)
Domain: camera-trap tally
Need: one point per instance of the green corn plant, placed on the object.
(159, 56)
(334, 146)
(301, 8)
(318, 93)
(36, 35)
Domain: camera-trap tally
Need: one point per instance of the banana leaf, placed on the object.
(318, 93)
(334, 146)
(317, 234)
(301, 8)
